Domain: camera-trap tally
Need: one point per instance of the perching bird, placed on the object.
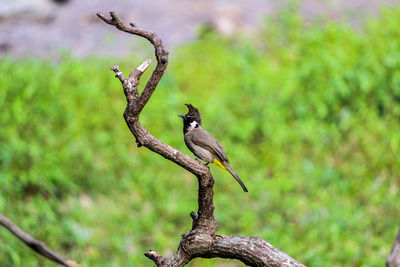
(202, 144)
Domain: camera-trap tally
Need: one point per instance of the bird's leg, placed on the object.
(207, 165)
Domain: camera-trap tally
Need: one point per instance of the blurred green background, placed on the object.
(308, 112)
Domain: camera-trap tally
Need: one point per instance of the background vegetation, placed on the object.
(308, 113)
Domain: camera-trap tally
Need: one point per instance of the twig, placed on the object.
(34, 244)
(201, 241)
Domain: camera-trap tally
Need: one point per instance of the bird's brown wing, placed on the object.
(202, 138)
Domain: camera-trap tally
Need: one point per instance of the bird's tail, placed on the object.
(236, 176)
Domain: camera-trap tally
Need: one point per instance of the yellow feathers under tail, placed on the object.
(229, 169)
(219, 164)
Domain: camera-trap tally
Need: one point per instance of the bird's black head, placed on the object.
(193, 115)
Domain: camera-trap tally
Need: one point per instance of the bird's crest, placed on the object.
(193, 113)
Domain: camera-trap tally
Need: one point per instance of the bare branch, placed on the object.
(34, 244)
(393, 259)
(201, 240)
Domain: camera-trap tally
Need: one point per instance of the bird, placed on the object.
(203, 145)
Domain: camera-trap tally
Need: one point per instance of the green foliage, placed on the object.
(309, 119)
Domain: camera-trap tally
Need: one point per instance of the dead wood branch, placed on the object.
(34, 244)
(201, 240)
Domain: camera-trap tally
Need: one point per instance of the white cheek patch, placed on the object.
(193, 124)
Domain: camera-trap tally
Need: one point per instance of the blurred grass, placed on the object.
(308, 114)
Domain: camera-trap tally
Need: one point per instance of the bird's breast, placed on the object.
(199, 151)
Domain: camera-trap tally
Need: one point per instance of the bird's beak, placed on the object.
(182, 116)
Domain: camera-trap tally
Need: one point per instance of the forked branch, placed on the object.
(201, 240)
